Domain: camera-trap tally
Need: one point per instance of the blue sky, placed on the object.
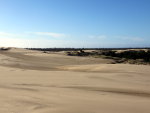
(75, 23)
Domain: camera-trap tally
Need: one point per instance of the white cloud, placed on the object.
(29, 39)
(40, 39)
(32, 34)
(33, 40)
(136, 39)
(13, 35)
(97, 36)
(42, 43)
(55, 35)
(5, 34)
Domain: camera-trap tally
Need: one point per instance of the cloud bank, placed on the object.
(50, 39)
(55, 35)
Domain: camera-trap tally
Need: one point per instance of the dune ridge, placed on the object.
(37, 82)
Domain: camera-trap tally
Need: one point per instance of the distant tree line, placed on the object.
(78, 49)
(55, 49)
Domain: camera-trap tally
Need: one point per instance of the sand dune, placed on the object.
(36, 82)
(36, 60)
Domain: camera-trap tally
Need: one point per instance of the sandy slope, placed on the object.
(36, 60)
(34, 82)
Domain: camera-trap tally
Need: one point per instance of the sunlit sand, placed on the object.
(37, 82)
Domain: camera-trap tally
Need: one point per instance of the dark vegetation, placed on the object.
(56, 49)
(78, 49)
(127, 56)
(131, 54)
(4, 49)
(136, 56)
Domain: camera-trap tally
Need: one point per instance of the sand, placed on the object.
(36, 82)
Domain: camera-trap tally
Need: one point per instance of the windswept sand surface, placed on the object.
(35, 82)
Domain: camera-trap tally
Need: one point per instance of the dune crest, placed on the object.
(37, 82)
